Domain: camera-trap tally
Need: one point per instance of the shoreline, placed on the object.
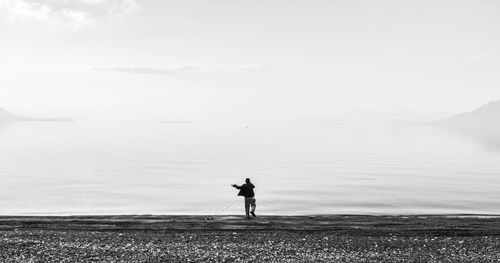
(451, 224)
(231, 238)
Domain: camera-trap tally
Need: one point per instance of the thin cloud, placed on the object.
(147, 70)
(174, 70)
(152, 70)
(65, 13)
(250, 67)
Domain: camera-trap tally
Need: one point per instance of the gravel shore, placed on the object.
(266, 239)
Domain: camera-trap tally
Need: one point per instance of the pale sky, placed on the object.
(246, 60)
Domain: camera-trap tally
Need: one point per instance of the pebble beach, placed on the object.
(332, 238)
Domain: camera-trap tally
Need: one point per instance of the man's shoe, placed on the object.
(253, 214)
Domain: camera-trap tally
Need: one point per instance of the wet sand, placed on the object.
(322, 238)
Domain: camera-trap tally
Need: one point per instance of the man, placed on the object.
(246, 190)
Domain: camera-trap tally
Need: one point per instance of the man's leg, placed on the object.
(253, 205)
(247, 207)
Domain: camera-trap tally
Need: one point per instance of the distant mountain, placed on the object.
(485, 116)
(8, 116)
(482, 124)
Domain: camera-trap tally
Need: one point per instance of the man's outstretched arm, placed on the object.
(236, 186)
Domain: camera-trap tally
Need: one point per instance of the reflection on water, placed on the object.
(81, 168)
(488, 137)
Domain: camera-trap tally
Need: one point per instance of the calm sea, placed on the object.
(187, 168)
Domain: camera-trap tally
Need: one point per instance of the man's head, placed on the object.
(247, 180)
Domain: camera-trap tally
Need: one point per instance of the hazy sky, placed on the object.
(246, 60)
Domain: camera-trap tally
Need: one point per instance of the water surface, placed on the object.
(187, 168)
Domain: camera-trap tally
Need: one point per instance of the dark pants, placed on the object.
(249, 202)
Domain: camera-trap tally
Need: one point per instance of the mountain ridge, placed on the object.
(485, 115)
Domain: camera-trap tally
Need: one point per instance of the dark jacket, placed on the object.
(246, 190)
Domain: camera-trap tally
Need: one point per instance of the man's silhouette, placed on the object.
(246, 190)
